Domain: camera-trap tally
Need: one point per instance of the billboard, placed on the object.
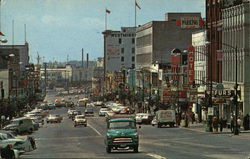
(190, 22)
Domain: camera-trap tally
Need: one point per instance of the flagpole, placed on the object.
(105, 18)
(135, 13)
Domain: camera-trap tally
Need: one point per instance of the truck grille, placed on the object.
(122, 140)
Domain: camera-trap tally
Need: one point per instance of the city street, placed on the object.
(63, 140)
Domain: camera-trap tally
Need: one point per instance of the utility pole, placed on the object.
(45, 73)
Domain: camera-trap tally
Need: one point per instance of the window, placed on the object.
(120, 40)
(133, 50)
(133, 58)
(122, 58)
(122, 50)
(133, 66)
(133, 40)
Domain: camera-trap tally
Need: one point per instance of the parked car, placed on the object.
(20, 125)
(103, 111)
(54, 118)
(89, 112)
(154, 122)
(144, 118)
(80, 120)
(22, 143)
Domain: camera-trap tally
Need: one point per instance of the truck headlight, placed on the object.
(109, 136)
(135, 135)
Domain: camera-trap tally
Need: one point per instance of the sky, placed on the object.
(57, 28)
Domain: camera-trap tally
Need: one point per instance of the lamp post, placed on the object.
(236, 130)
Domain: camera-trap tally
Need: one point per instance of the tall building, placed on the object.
(155, 40)
(119, 49)
(200, 56)
(214, 37)
(236, 41)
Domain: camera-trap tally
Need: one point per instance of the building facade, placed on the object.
(119, 49)
(236, 40)
(200, 56)
(155, 40)
(214, 37)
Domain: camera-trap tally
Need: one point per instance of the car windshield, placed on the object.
(104, 109)
(16, 122)
(80, 117)
(122, 125)
(89, 110)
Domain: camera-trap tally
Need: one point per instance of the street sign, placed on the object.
(210, 111)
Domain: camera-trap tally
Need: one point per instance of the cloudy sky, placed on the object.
(56, 28)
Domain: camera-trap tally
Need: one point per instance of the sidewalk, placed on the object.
(200, 127)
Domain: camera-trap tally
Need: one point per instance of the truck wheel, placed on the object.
(159, 126)
(136, 149)
(108, 149)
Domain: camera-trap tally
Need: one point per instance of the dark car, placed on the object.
(75, 113)
(89, 112)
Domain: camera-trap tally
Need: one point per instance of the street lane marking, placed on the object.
(95, 129)
(156, 156)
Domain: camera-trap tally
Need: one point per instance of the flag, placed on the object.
(136, 4)
(1, 34)
(107, 11)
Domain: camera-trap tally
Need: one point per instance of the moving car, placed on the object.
(121, 133)
(21, 125)
(70, 111)
(75, 113)
(89, 112)
(54, 118)
(80, 120)
(144, 118)
(103, 111)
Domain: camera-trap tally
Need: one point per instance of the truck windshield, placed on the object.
(122, 125)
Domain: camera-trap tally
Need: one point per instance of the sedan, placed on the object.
(89, 112)
(80, 120)
(103, 111)
(22, 144)
(54, 118)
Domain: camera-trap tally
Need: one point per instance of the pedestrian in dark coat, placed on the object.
(215, 124)
(246, 122)
(221, 123)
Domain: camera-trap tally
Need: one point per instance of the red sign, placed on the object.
(166, 95)
(190, 22)
(190, 67)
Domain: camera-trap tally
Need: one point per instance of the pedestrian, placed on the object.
(246, 122)
(239, 122)
(221, 122)
(232, 124)
(215, 124)
(192, 117)
(196, 118)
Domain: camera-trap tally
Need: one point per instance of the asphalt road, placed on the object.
(63, 140)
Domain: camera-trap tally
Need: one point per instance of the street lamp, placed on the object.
(236, 130)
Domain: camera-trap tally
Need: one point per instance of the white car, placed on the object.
(54, 118)
(70, 111)
(103, 111)
(22, 144)
(80, 120)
